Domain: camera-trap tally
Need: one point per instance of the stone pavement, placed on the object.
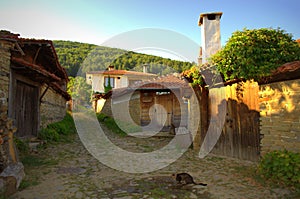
(77, 174)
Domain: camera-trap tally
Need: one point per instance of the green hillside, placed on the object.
(89, 57)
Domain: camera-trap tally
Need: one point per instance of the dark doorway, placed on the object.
(26, 109)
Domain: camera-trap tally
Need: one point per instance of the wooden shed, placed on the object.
(161, 102)
(164, 101)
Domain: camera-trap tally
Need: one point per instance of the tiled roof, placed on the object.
(121, 72)
(288, 71)
(45, 68)
(168, 82)
(47, 46)
(172, 81)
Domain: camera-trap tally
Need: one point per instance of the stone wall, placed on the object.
(4, 73)
(52, 108)
(280, 116)
(4, 94)
(11, 171)
(120, 106)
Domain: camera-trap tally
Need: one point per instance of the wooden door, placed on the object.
(163, 109)
(26, 109)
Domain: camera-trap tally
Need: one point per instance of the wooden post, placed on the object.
(11, 146)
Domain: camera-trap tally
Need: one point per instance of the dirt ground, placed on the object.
(70, 171)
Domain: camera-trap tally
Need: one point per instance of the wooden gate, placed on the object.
(26, 109)
(240, 137)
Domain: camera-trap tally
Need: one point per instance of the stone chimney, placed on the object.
(111, 67)
(210, 34)
(145, 68)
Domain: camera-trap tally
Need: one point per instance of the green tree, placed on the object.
(79, 90)
(252, 54)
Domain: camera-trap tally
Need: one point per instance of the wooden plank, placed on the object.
(26, 107)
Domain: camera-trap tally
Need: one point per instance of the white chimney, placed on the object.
(210, 34)
(145, 68)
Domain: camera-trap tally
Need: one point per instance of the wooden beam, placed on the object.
(19, 49)
(43, 94)
(36, 55)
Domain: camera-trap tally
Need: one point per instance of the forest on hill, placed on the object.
(79, 58)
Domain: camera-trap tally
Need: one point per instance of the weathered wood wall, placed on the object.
(169, 105)
(236, 123)
(240, 137)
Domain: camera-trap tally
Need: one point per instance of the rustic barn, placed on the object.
(32, 94)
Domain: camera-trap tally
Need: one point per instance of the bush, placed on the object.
(253, 54)
(281, 167)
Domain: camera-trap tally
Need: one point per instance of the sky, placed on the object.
(96, 21)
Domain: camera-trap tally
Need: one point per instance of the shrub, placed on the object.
(253, 54)
(281, 167)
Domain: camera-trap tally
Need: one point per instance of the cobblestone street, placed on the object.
(77, 174)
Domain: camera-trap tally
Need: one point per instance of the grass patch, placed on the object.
(37, 161)
(158, 193)
(61, 131)
(33, 164)
(110, 124)
(22, 145)
(28, 183)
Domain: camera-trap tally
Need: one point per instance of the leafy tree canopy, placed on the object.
(194, 76)
(252, 54)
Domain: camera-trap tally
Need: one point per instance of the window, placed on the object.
(111, 80)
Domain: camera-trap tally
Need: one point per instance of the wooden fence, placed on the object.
(235, 110)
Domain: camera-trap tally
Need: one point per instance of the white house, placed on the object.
(117, 78)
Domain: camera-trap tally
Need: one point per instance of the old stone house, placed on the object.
(32, 94)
